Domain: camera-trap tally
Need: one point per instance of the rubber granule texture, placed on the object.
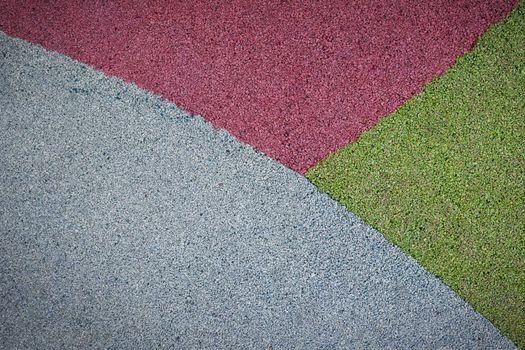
(125, 223)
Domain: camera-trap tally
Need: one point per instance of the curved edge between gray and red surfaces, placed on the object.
(295, 79)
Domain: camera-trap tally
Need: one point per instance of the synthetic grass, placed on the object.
(444, 176)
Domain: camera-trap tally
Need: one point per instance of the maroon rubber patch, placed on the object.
(296, 79)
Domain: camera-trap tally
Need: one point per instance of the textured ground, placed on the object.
(295, 79)
(127, 223)
(444, 176)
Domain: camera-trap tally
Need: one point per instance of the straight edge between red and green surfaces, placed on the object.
(443, 176)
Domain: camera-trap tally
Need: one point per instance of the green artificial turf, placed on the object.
(443, 176)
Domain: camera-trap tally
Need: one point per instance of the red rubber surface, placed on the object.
(296, 79)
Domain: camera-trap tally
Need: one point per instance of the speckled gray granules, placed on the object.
(126, 223)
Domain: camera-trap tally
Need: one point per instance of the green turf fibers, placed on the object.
(443, 176)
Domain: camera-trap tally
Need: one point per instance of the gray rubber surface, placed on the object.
(126, 223)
